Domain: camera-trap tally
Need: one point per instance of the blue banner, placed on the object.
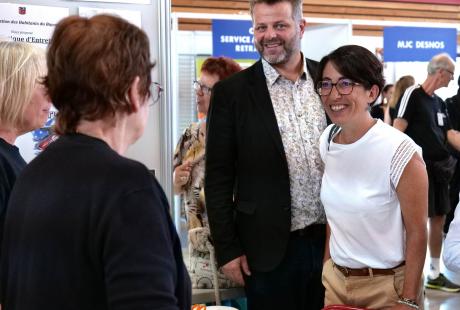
(418, 43)
(234, 39)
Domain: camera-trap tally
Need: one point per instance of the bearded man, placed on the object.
(263, 168)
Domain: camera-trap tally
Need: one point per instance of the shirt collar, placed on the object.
(272, 75)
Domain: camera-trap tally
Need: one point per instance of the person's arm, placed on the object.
(451, 251)
(453, 137)
(134, 244)
(412, 191)
(181, 176)
(386, 114)
(400, 124)
(220, 174)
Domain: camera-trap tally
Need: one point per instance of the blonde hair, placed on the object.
(22, 65)
(400, 87)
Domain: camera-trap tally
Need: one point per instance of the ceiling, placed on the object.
(354, 10)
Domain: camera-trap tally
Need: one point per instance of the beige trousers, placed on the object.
(371, 292)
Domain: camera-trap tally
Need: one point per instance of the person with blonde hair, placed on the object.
(24, 106)
(400, 87)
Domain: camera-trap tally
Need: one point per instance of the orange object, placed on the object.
(199, 307)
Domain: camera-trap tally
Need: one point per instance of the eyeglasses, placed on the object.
(451, 72)
(155, 92)
(343, 86)
(197, 86)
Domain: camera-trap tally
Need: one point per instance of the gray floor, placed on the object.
(437, 300)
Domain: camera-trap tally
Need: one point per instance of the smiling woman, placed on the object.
(363, 196)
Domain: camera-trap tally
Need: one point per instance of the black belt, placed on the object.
(311, 231)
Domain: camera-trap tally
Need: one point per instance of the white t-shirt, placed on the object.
(359, 196)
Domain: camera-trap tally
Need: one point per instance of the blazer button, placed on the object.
(286, 208)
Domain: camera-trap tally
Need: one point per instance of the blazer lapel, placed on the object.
(262, 100)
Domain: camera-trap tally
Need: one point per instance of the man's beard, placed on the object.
(289, 49)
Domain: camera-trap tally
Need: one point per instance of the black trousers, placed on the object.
(296, 283)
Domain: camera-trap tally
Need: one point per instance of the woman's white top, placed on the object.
(359, 196)
(451, 251)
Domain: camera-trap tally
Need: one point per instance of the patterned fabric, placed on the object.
(301, 120)
(399, 161)
(202, 268)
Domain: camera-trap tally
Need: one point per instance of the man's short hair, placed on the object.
(295, 4)
(22, 66)
(92, 63)
(440, 61)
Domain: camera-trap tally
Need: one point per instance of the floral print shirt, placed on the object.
(301, 120)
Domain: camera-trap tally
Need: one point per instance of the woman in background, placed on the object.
(383, 110)
(374, 191)
(24, 106)
(400, 87)
(188, 178)
(88, 228)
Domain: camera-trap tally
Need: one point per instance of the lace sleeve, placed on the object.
(400, 159)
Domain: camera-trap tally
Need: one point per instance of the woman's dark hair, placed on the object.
(223, 67)
(356, 63)
(386, 88)
(92, 63)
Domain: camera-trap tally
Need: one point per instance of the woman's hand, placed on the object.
(181, 176)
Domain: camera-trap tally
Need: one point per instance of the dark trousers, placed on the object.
(295, 284)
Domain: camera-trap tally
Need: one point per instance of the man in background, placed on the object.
(422, 115)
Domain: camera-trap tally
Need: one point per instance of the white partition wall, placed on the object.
(320, 40)
(154, 148)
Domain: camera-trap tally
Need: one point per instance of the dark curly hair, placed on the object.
(356, 63)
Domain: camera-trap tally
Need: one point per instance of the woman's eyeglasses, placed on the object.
(197, 86)
(343, 87)
(155, 92)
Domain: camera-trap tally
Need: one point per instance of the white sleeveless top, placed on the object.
(359, 196)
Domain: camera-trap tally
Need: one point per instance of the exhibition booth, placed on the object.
(407, 46)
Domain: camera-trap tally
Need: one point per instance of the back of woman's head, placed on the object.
(92, 63)
(400, 87)
(222, 66)
(22, 65)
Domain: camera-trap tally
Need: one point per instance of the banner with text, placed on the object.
(418, 43)
(29, 23)
(234, 39)
(32, 24)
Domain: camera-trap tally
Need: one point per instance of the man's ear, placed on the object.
(302, 26)
(135, 99)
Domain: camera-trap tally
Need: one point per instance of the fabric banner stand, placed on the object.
(234, 39)
(418, 43)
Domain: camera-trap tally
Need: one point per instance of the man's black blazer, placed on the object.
(247, 185)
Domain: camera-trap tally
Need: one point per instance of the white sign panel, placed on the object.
(29, 23)
(32, 24)
(134, 17)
